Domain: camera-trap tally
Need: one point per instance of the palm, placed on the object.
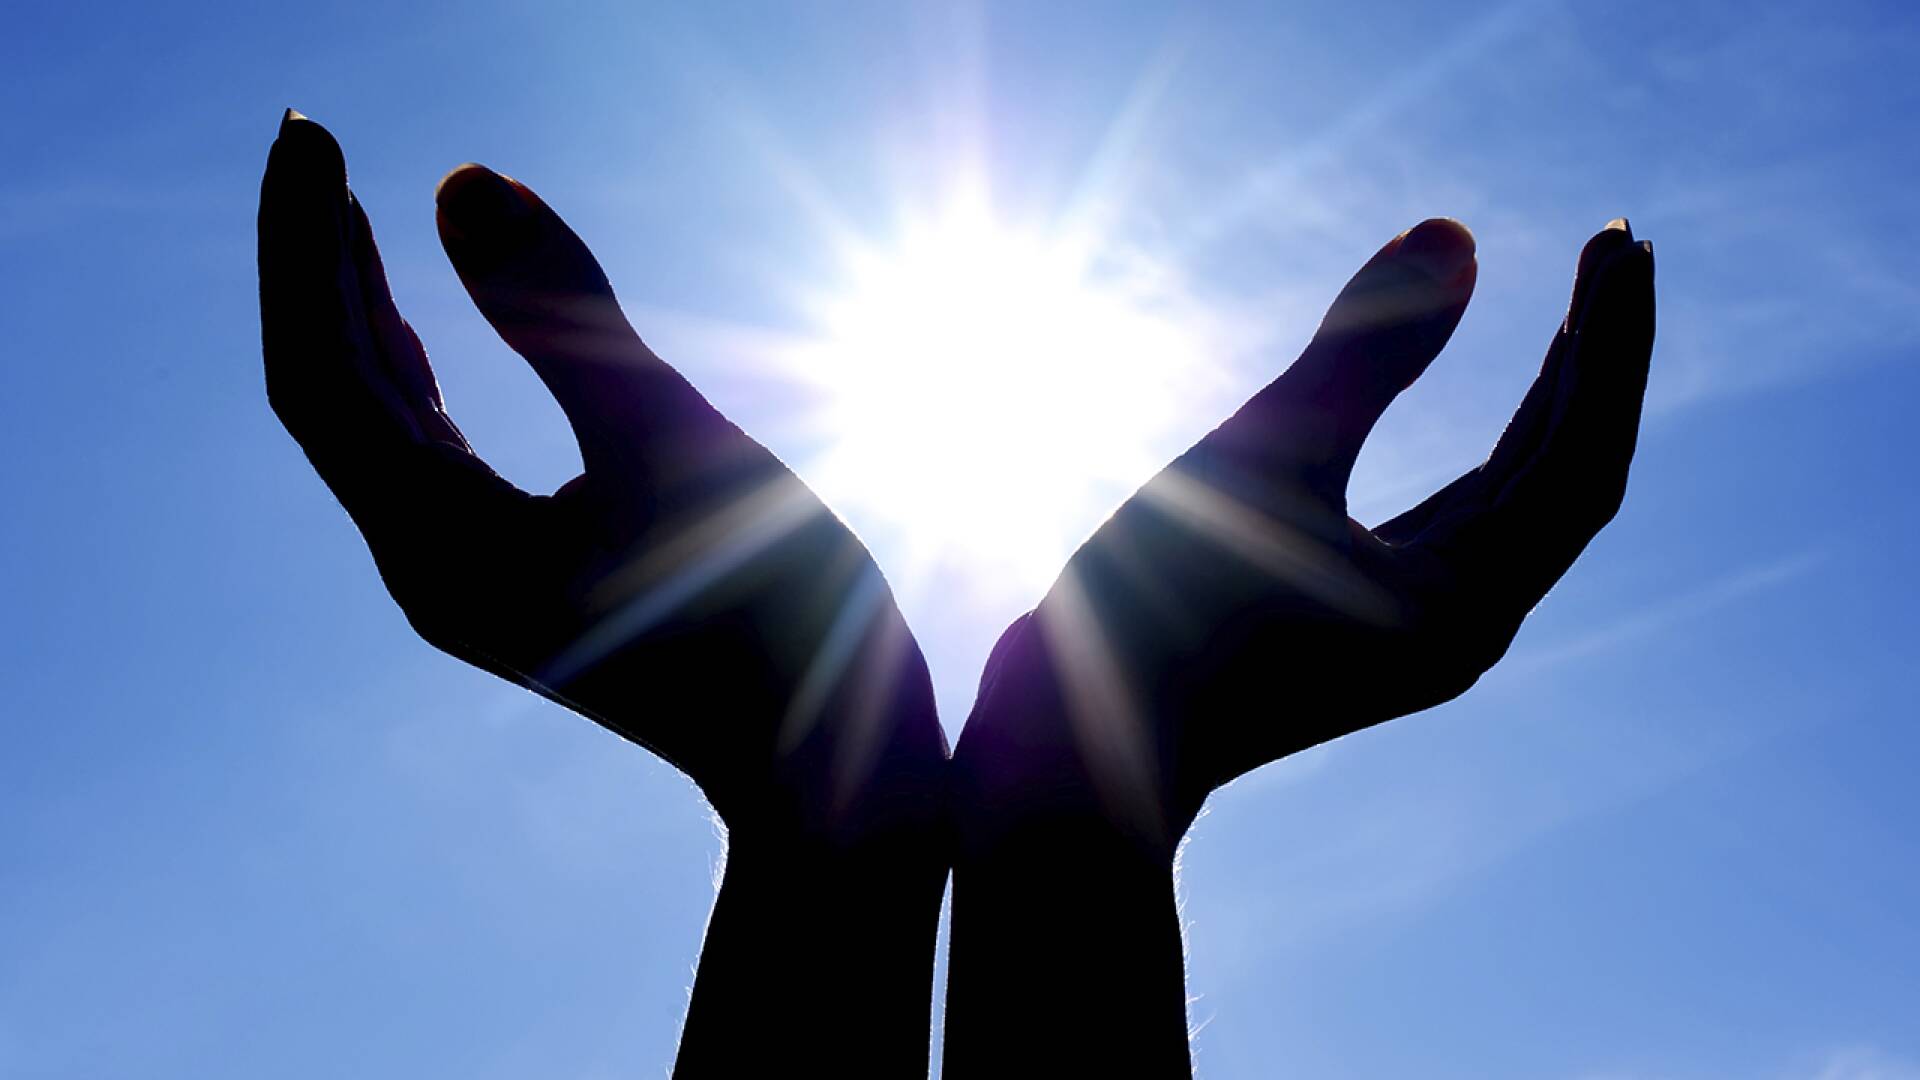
(686, 590)
(1232, 613)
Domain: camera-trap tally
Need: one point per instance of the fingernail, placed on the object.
(319, 163)
(1620, 250)
(1440, 248)
(1620, 224)
(484, 207)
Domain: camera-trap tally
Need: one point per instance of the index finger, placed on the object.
(1545, 509)
(345, 374)
(324, 377)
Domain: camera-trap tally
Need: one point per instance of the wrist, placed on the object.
(1066, 948)
(878, 869)
(827, 945)
(1066, 958)
(1039, 767)
(822, 937)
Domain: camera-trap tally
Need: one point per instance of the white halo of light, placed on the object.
(989, 393)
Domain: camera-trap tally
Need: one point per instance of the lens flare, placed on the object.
(991, 392)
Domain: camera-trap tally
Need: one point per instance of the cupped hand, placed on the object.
(1232, 613)
(685, 591)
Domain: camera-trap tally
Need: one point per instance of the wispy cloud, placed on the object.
(1850, 1062)
(1792, 237)
(1399, 847)
(48, 208)
(1280, 180)
(1656, 618)
(1772, 313)
(1867, 1063)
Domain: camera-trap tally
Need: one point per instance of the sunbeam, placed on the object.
(700, 554)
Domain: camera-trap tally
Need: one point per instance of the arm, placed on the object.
(1231, 613)
(816, 962)
(686, 591)
(1066, 955)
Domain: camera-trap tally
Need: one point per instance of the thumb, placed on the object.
(1382, 331)
(545, 294)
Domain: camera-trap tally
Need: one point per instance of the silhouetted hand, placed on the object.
(1231, 613)
(685, 591)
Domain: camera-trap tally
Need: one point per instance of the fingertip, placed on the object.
(1636, 255)
(1621, 280)
(476, 203)
(303, 194)
(459, 177)
(1441, 248)
(474, 185)
(309, 146)
(1616, 317)
(1602, 250)
(525, 269)
(1444, 229)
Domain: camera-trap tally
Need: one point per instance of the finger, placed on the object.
(545, 294)
(1469, 492)
(1546, 508)
(1461, 490)
(402, 357)
(453, 484)
(345, 373)
(324, 377)
(1382, 331)
(1524, 434)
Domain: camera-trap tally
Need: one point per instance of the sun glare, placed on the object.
(991, 393)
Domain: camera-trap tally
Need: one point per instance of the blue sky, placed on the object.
(249, 826)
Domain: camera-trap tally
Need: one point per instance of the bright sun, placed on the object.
(992, 393)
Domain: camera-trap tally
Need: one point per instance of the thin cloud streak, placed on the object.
(1650, 621)
(1275, 180)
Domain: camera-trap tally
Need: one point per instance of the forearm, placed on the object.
(817, 960)
(1066, 954)
(1066, 959)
